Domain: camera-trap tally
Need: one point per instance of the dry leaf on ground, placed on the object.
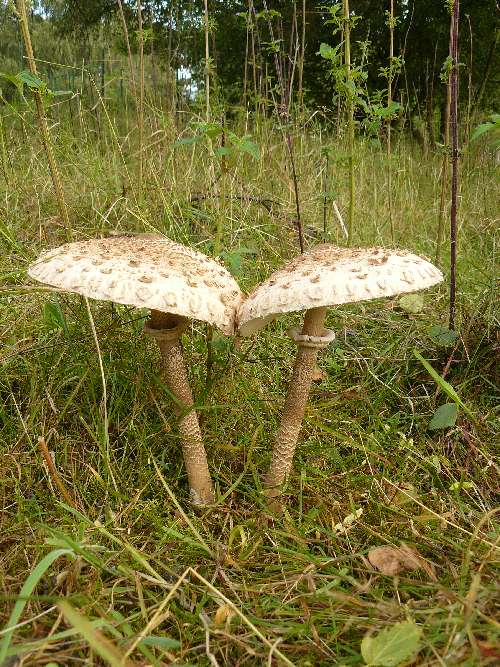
(393, 560)
(223, 613)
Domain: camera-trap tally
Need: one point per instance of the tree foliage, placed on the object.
(175, 33)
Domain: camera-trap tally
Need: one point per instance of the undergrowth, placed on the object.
(235, 585)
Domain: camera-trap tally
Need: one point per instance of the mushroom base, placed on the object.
(167, 330)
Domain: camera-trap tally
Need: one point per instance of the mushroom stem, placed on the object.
(310, 341)
(167, 330)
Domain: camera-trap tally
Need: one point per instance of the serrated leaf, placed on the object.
(31, 80)
(412, 303)
(327, 52)
(444, 417)
(391, 646)
(442, 335)
(247, 146)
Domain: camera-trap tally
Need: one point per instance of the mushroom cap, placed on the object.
(328, 276)
(147, 272)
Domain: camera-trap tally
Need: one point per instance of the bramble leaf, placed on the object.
(444, 417)
(391, 646)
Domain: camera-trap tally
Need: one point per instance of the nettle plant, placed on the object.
(348, 81)
(25, 81)
(231, 146)
(373, 110)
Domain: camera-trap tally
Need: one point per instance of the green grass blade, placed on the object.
(96, 640)
(441, 382)
(27, 589)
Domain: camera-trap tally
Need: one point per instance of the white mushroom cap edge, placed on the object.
(154, 273)
(328, 276)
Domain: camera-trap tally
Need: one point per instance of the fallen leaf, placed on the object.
(489, 649)
(444, 417)
(223, 613)
(412, 303)
(393, 560)
(350, 518)
(391, 646)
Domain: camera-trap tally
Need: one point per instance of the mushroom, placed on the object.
(324, 276)
(176, 283)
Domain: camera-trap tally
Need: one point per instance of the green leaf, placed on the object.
(441, 382)
(27, 589)
(442, 335)
(458, 486)
(493, 125)
(481, 129)
(160, 642)
(444, 417)
(434, 461)
(412, 303)
(32, 81)
(328, 52)
(247, 146)
(391, 646)
(234, 258)
(222, 151)
(211, 130)
(186, 141)
(54, 317)
(14, 80)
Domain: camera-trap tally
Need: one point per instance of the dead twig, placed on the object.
(44, 450)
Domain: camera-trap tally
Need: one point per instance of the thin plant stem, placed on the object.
(129, 50)
(107, 449)
(444, 168)
(42, 446)
(300, 229)
(302, 56)
(245, 65)
(3, 148)
(207, 63)
(283, 111)
(325, 195)
(350, 116)
(469, 86)
(389, 101)
(141, 103)
(454, 162)
(42, 120)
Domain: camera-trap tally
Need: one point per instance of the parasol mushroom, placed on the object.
(177, 284)
(323, 277)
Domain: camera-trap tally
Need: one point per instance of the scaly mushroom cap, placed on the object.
(328, 275)
(146, 272)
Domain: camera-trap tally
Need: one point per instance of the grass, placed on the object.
(142, 578)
